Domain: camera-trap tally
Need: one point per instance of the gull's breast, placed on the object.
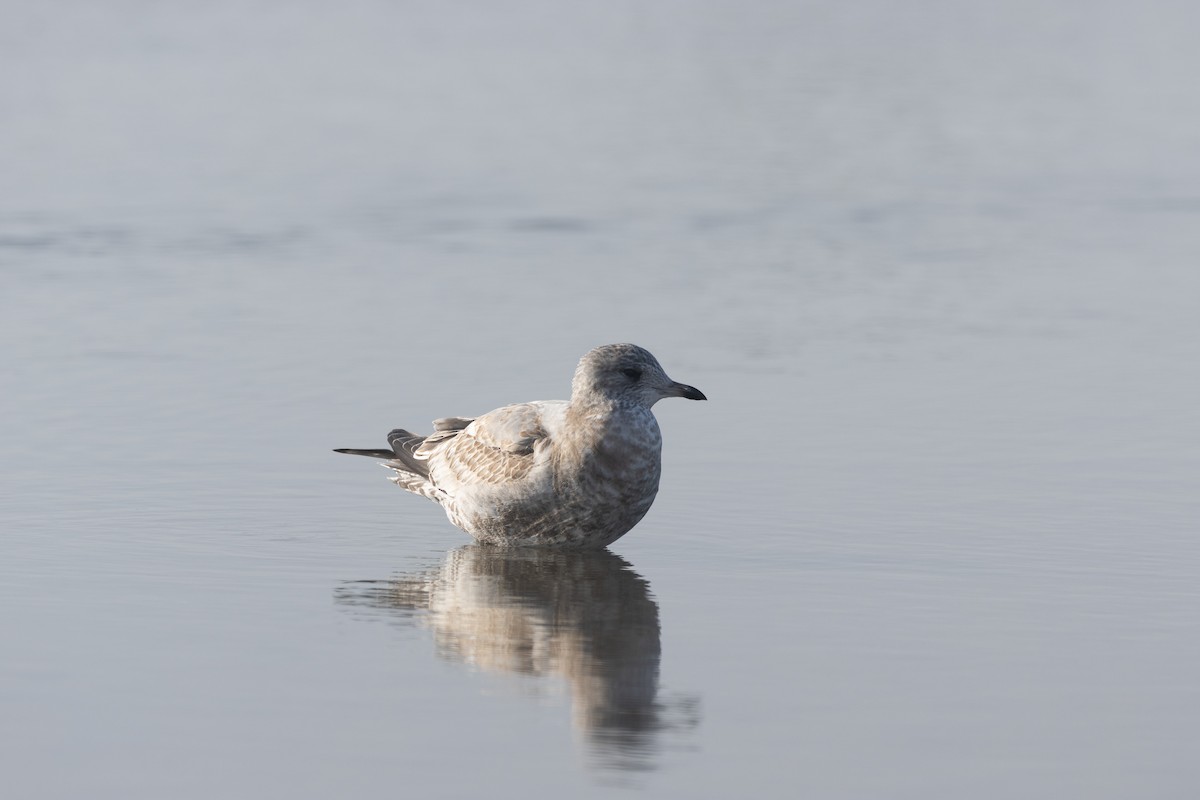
(587, 489)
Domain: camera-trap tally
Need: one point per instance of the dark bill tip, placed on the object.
(690, 392)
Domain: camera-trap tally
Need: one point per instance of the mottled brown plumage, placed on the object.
(580, 473)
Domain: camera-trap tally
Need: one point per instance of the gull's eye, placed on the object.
(633, 373)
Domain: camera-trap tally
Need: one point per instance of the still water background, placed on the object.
(934, 263)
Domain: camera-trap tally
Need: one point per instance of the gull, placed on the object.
(578, 473)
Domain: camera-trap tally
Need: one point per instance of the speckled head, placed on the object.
(626, 373)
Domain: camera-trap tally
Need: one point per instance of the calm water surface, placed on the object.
(934, 535)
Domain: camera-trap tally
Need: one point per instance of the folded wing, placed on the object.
(498, 447)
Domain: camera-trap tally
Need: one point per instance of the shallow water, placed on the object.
(934, 534)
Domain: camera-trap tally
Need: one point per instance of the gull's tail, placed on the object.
(411, 473)
(403, 455)
(412, 470)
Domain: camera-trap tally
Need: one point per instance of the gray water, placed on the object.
(934, 264)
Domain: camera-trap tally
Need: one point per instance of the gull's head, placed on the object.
(626, 373)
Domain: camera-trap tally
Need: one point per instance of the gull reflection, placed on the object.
(585, 617)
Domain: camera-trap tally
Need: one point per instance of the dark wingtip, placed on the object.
(370, 453)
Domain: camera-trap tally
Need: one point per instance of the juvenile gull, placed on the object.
(551, 472)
